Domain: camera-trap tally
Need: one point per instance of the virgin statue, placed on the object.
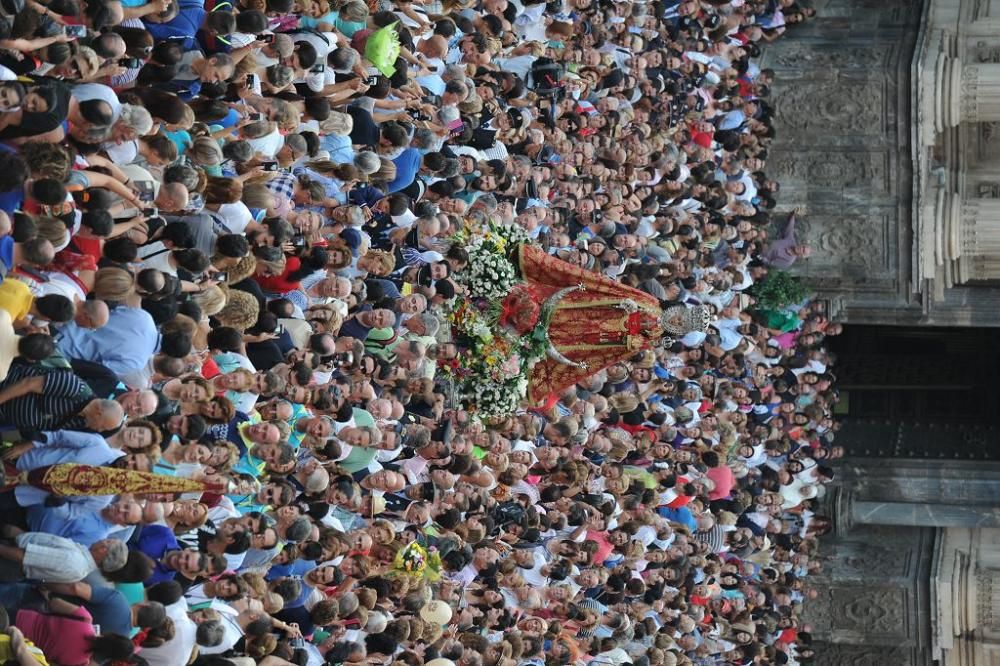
(593, 321)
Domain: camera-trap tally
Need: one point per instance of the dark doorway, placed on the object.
(918, 392)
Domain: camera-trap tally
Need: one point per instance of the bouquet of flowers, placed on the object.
(415, 560)
(489, 275)
(492, 325)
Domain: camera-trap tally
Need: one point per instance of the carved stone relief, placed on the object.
(984, 598)
(989, 137)
(832, 169)
(857, 655)
(840, 106)
(987, 52)
(988, 190)
(852, 560)
(845, 240)
(861, 610)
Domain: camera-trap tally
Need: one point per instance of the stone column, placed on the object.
(980, 92)
(980, 235)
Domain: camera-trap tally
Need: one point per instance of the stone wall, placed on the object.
(873, 606)
(842, 151)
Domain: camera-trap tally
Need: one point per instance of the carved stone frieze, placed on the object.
(797, 55)
(989, 137)
(987, 52)
(852, 560)
(860, 655)
(860, 610)
(987, 190)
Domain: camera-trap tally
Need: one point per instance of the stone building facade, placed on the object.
(888, 114)
(888, 144)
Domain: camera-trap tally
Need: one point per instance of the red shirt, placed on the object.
(280, 284)
(604, 547)
(93, 247)
(703, 139)
(209, 369)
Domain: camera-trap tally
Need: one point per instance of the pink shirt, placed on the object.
(724, 481)
(604, 547)
(64, 640)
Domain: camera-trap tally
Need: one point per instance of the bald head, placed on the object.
(138, 403)
(92, 314)
(172, 197)
(102, 415)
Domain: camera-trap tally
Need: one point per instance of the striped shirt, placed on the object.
(57, 407)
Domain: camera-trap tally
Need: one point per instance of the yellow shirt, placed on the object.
(15, 298)
(7, 651)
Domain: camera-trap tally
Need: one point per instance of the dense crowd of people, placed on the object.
(228, 255)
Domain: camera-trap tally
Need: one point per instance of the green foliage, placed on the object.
(777, 290)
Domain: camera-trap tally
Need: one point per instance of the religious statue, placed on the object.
(589, 320)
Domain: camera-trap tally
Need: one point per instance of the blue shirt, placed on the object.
(156, 541)
(110, 609)
(731, 120)
(680, 515)
(432, 82)
(186, 24)
(340, 148)
(125, 344)
(86, 527)
(407, 166)
(293, 568)
(7, 251)
(68, 446)
(11, 201)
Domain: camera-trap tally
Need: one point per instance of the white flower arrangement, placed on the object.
(489, 274)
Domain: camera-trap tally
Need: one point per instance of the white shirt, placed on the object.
(229, 621)
(178, 649)
(269, 144)
(235, 216)
(86, 92)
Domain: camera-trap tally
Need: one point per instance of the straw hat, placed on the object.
(440, 661)
(436, 612)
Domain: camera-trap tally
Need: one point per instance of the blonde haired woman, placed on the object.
(206, 152)
(114, 285)
(211, 299)
(53, 230)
